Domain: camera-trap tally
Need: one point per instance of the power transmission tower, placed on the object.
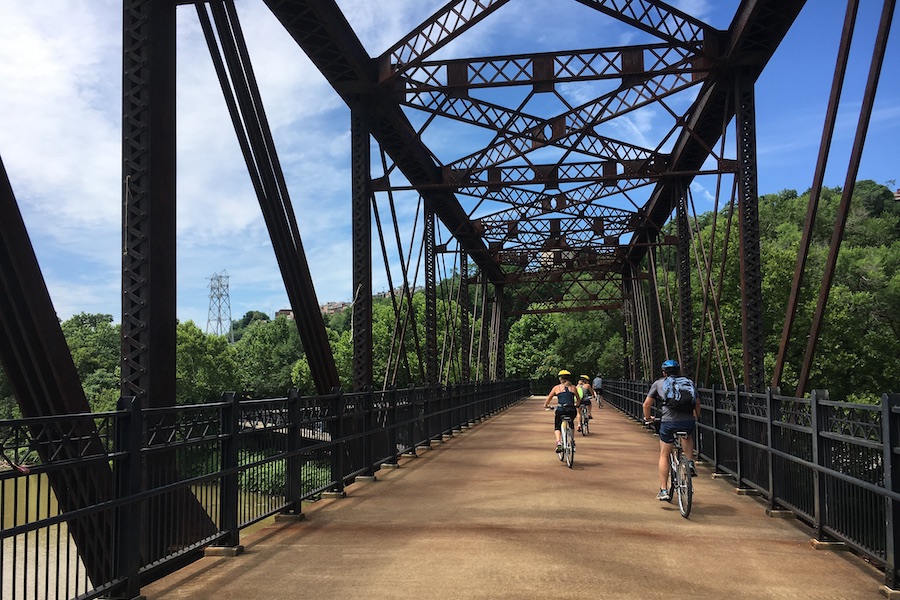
(219, 318)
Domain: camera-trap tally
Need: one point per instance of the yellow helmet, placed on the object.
(563, 373)
(585, 377)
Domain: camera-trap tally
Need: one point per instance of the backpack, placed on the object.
(679, 393)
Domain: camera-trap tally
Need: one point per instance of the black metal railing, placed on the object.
(835, 465)
(158, 485)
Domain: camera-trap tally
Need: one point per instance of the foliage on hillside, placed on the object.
(855, 359)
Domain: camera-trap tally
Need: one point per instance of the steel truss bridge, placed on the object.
(521, 189)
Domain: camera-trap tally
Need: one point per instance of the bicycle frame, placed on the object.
(680, 482)
(567, 438)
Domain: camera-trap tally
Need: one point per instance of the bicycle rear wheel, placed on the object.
(584, 422)
(685, 488)
(568, 443)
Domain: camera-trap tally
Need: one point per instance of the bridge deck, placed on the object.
(491, 513)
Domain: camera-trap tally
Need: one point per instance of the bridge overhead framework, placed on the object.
(491, 513)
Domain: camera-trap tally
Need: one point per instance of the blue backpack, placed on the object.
(679, 393)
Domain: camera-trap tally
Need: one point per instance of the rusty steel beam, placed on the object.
(544, 70)
(322, 31)
(756, 31)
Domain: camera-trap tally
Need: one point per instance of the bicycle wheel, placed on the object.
(562, 441)
(570, 449)
(685, 488)
(584, 423)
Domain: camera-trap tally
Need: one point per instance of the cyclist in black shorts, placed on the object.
(587, 394)
(567, 401)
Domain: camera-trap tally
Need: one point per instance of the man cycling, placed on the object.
(598, 390)
(567, 401)
(670, 422)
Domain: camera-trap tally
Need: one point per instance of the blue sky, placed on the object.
(60, 101)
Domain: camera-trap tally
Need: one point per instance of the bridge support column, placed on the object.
(431, 361)
(362, 244)
(685, 303)
(465, 346)
(748, 217)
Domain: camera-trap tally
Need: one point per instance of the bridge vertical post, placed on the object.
(429, 233)
(465, 313)
(685, 302)
(361, 219)
(369, 431)
(293, 467)
(890, 441)
(819, 422)
(748, 218)
(129, 520)
(228, 507)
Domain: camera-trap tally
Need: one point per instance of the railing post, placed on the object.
(129, 531)
(738, 436)
(293, 468)
(819, 424)
(369, 431)
(392, 421)
(228, 516)
(337, 443)
(770, 429)
(890, 440)
(715, 427)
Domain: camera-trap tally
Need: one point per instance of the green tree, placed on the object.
(93, 341)
(265, 356)
(205, 365)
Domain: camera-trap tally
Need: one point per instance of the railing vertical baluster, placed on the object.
(890, 440)
(128, 484)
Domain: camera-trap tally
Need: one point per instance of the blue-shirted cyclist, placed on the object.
(670, 422)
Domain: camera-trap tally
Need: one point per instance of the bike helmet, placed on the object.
(670, 365)
(585, 377)
(564, 373)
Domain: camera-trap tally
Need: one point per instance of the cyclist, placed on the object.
(567, 401)
(670, 422)
(598, 390)
(587, 393)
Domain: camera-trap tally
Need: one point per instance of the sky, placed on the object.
(60, 135)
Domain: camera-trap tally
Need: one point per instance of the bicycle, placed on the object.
(680, 479)
(567, 439)
(585, 419)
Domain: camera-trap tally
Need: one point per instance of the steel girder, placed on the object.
(251, 126)
(407, 78)
(42, 375)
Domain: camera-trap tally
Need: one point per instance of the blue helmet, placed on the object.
(670, 364)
